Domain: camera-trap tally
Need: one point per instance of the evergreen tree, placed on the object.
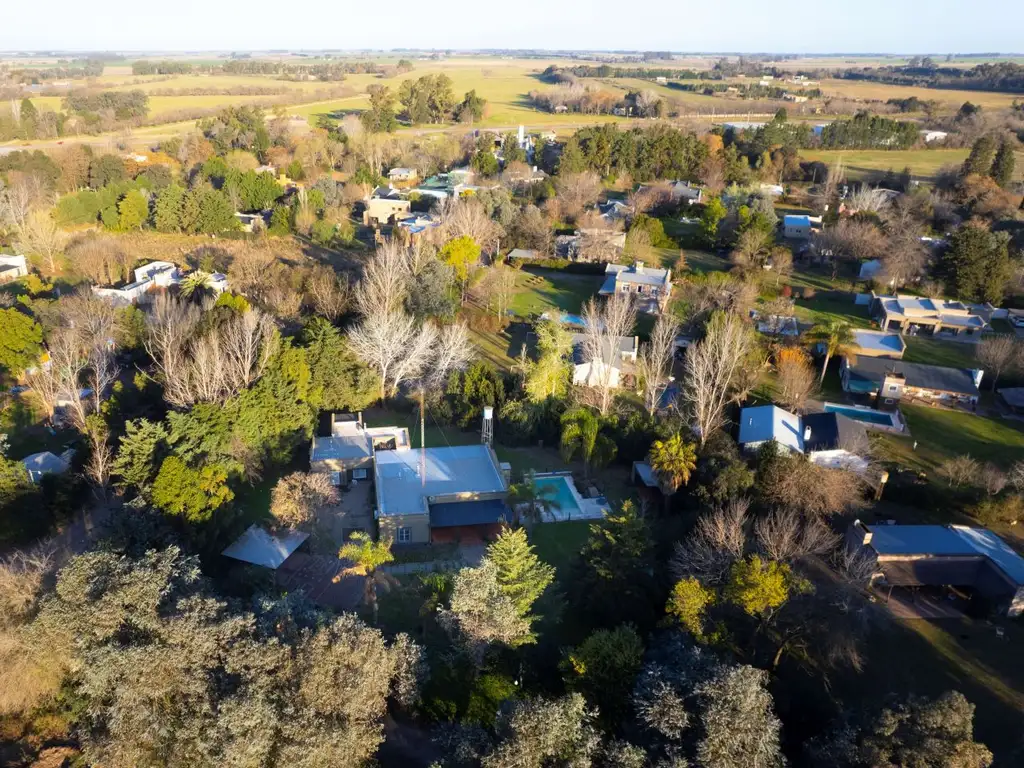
(132, 211)
(980, 159)
(1002, 165)
(168, 210)
(20, 341)
(522, 576)
(136, 463)
(977, 264)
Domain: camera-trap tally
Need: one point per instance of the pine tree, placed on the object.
(980, 159)
(1002, 165)
(522, 576)
(168, 209)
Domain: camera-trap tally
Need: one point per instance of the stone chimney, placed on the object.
(638, 267)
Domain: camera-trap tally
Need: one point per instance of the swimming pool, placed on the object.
(562, 493)
(867, 415)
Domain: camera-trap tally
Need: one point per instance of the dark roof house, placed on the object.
(867, 373)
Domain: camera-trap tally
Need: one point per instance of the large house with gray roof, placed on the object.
(917, 314)
(891, 380)
(421, 495)
(829, 439)
(943, 555)
(651, 286)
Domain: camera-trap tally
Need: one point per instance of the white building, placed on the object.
(12, 267)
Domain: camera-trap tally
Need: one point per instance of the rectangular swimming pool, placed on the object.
(561, 493)
(866, 415)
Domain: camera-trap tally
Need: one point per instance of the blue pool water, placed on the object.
(858, 414)
(571, 319)
(562, 494)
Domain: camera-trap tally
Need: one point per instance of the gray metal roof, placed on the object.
(259, 547)
(933, 377)
(879, 341)
(406, 478)
(355, 446)
(948, 541)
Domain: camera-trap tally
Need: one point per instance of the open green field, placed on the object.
(952, 354)
(545, 290)
(949, 99)
(942, 434)
(924, 164)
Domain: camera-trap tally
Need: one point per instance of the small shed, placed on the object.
(45, 463)
(260, 547)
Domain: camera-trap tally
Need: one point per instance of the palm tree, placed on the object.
(367, 556)
(537, 499)
(194, 283)
(581, 434)
(672, 461)
(836, 336)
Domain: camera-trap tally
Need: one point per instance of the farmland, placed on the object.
(923, 163)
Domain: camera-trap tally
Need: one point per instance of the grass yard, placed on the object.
(558, 543)
(545, 290)
(952, 354)
(949, 99)
(942, 434)
(827, 305)
(924, 164)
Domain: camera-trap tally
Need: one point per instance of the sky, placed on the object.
(831, 26)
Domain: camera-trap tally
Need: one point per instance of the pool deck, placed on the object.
(587, 509)
(896, 425)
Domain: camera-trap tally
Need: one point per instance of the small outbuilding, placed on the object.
(260, 547)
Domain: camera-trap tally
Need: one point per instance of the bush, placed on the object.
(564, 265)
(1006, 510)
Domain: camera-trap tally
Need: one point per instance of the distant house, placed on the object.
(257, 546)
(594, 373)
(776, 325)
(132, 293)
(155, 274)
(829, 439)
(877, 344)
(591, 245)
(684, 191)
(38, 465)
(797, 227)
(930, 136)
(384, 206)
(794, 97)
(941, 556)
(523, 254)
(412, 229)
(870, 269)
(402, 175)
(775, 190)
(651, 286)
(913, 314)
(561, 109)
(615, 210)
(249, 221)
(661, 80)
(12, 267)
(890, 380)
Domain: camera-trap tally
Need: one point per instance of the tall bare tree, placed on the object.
(605, 327)
(170, 327)
(796, 376)
(384, 341)
(466, 217)
(40, 237)
(717, 541)
(785, 535)
(577, 191)
(713, 370)
(327, 292)
(385, 282)
(654, 364)
(999, 353)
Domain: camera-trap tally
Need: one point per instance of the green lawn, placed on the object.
(827, 305)
(942, 434)
(558, 543)
(545, 290)
(951, 354)
(871, 164)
